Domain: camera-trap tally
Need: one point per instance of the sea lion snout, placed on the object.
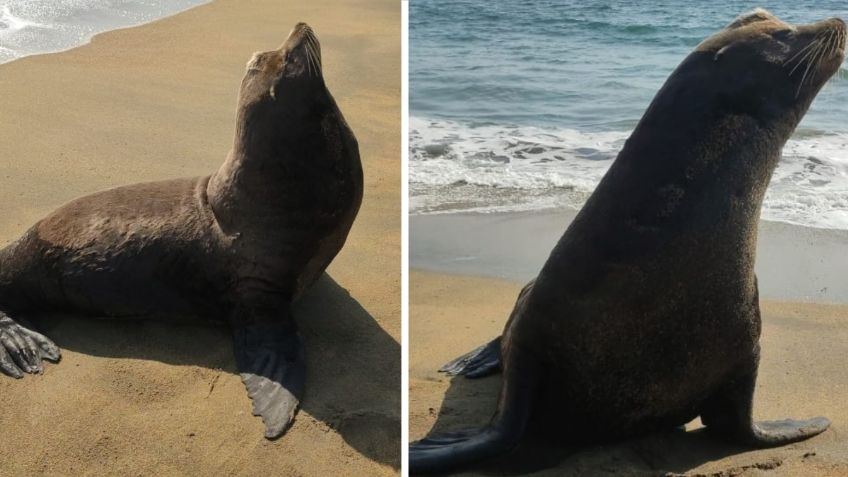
(837, 28)
(827, 45)
(302, 47)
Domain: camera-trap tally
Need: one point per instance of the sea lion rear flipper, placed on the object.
(445, 451)
(730, 415)
(22, 349)
(271, 363)
(483, 361)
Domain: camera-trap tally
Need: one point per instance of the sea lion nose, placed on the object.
(300, 28)
(836, 23)
(295, 34)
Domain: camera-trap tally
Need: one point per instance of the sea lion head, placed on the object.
(713, 135)
(292, 148)
(286, 80)
(763, 67)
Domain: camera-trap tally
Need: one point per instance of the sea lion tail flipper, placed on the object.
(483, 361)
(272, 365)
(730, 414)
(22, 349)
(446, 451)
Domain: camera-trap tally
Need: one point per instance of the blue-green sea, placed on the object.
(524, 105)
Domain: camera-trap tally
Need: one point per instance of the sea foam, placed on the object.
(29, 27)
(456, 167)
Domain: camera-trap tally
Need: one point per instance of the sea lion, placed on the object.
(646, 315)
(237, 246)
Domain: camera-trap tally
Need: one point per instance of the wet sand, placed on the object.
(793, 262)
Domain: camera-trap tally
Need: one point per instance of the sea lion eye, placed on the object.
(783, 35)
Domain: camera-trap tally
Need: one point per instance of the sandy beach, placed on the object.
(157, 102)
(470, 267)
(802, 374)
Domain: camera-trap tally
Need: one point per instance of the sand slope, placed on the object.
(158, 102)
(802, 374)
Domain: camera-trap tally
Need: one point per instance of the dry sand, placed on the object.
(802, 374)
(157, 102)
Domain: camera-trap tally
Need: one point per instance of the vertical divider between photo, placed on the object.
(404, 237)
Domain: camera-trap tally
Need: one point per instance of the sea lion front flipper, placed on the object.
(483, 361)
(730, 415)
(272, 365)
(22, 349)
(445, 451)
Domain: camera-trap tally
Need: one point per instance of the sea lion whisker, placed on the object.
(831, 44)
(809, 59)
(838, 41)
(316, 49)
(802, 61)
(820, 57)
(312, 47)
(814, 44)
(313, 67)
(807, 70)
(816, 59)
(834, 44)
(308, 56)
(802, 50)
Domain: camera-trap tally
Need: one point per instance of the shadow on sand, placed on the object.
(470, 403)
(353, 365)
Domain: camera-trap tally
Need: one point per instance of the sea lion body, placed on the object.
(235, 247)
(105, 254)
(646, 314)
(155, 250)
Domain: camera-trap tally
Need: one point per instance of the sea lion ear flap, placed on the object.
(721, 52)
(253, 62)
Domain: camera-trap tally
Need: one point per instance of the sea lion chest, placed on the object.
(293, 217)
(636, 341)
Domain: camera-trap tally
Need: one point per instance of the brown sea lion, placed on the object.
(237, 246)
(646, 315)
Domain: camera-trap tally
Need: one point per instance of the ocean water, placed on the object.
(524, 105)
(29, 27)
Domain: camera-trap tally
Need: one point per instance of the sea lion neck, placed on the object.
(277, 134)
(271, 153)
(277, 152)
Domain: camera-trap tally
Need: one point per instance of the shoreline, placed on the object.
(91, 38)
(155, 102)
(794, 263)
